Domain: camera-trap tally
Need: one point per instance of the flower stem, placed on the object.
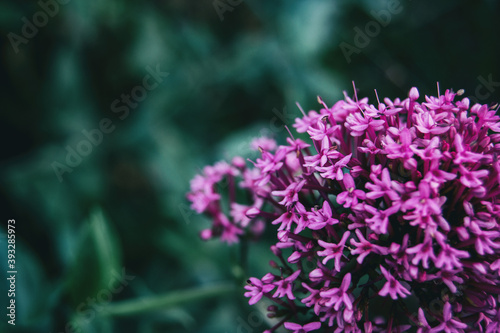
(171, 299)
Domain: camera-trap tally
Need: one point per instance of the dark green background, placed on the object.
(231, 76)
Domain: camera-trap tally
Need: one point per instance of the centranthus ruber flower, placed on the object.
(256, 288)
(387, 208)
(392, 286)
(296, 328)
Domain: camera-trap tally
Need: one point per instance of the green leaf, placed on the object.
(106, 245)
(98, 260)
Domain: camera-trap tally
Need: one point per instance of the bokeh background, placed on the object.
(235, 71)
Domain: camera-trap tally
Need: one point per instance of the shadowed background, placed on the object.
(109, 108)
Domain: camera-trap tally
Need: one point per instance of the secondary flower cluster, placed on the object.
(387, 220)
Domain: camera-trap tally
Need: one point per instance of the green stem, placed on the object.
(170, 299)
(244, 255)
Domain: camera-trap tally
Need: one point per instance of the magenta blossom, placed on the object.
(392, 286)
(333, 251)
(386, 208)
(350, 196)
(302, 329)
(256, 289)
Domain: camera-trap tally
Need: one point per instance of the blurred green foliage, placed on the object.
(231, 75)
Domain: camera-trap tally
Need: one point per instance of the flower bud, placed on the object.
(272, 308)
(413, 94)
(316, 274)
(268, 278)
(238, 162)
(276, 251)
(273, 264)
(294, 257)
(252, 212)
(206, 234)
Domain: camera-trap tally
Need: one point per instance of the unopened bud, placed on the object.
(206, 234)
(414, 94)
(238, 162)
(294, 257)
(272, 308)
(276, 251)
(273, 264)
(252, 212)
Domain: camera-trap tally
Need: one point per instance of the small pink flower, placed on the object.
(381, 187)
(339, 296)
(302, 329)
(364, 247)
(319, 218)
(423, 325)
(263, 143)
(358, 123)
(379, 222)
(284, 286)
(463, 153)
(333, 251)
(392, 286)
(427, 122)
(256, 289)
(448, 323)
(423, 252)
(350, 196)
(430, 152)
(334, 171)
(449, 257)
(271, 162)
(322, 133)
(472, 178)
(290, 194)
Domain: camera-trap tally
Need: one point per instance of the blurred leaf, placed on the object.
(98, 260)
(32, 300)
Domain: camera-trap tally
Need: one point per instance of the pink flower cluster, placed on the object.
(387, 221)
